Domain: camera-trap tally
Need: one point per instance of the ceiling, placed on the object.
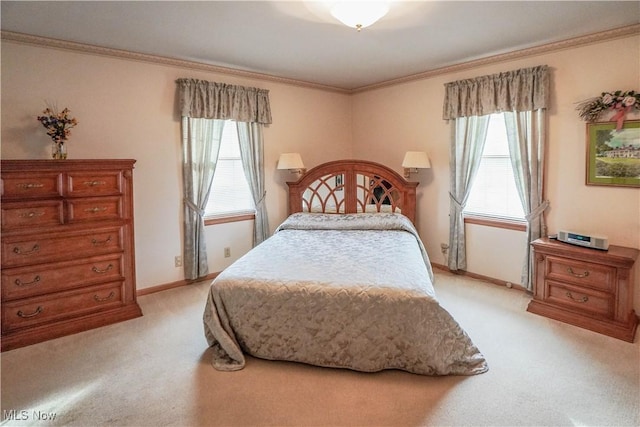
(300, 40)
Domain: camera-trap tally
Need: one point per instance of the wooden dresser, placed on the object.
(585, 287)
(67, 247)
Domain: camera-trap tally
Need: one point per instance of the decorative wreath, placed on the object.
(618, 101)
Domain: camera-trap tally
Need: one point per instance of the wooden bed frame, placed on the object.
(351, 186)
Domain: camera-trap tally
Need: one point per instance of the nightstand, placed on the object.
(584, 287)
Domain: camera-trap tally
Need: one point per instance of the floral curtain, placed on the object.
(204, 106)
(523, 96)
(200, 148)
(211, 100)
(470, 134)
(252, 154)
(520, 90)
(525, 135)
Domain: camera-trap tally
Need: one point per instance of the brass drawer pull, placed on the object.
(95, 242)
(28, 186)
(99, 271)
(18, 251)
(585, 274)
(94, 183)
(580, 300)
(31, 214)
(19, 282)
(26, 316)
(107, 298)
(95, 209)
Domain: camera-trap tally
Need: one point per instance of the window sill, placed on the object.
(229, 218)
(509, 224)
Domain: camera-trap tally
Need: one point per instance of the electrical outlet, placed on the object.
(227, 252)
(178, 261)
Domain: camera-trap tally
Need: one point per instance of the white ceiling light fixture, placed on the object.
(359, 14)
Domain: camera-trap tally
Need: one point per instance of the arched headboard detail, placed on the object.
(351, 186)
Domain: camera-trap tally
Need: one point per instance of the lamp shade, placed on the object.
(290, 161)
(416, 160)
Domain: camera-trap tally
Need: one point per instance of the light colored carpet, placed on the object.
(155, 370)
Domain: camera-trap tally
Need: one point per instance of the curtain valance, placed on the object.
(519, 90)
(210, 100)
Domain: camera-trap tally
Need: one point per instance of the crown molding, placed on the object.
(157, 59)
(200, 66)
(516, 54)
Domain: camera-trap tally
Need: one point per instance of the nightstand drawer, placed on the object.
(23, 282)
(34, 311)
(584, 274)
(585, 301)
(32, 214)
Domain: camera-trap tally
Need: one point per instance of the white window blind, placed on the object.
(230, 193)
(493, 192)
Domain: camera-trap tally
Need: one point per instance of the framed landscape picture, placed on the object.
(613, 157)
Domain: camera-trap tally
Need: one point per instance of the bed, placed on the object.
(344, 282)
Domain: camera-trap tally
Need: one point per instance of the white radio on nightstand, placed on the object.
(586, 240)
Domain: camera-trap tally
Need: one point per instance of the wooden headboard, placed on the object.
(351, 186)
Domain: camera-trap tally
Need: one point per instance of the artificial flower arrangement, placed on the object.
(58, 124)
(618, 101)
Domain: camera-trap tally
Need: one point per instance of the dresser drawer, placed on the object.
(584, 274)
(583, 300)
(42, 279)
(32, 214)
(21, 185)
(38, 310)
(90, 183)
(30, 250)
(94, 209)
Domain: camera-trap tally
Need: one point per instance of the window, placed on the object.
(230, 193)
(493, 192)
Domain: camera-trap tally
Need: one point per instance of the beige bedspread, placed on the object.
(348, 291)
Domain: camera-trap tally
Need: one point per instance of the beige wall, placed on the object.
(126, 110)
(389, 121)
